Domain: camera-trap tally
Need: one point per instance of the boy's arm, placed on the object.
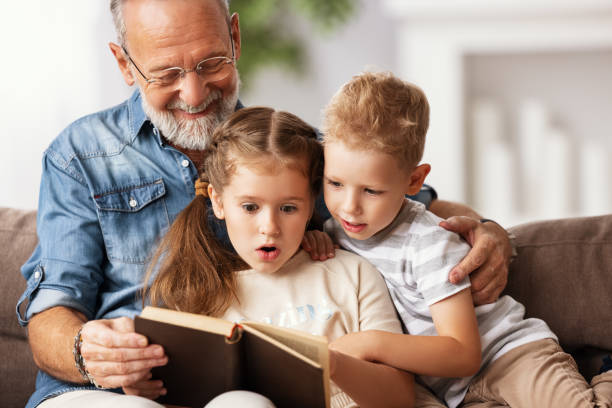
(454, 352)
(370, 384)
(488, 260)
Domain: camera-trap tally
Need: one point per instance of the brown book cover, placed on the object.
(209, 356)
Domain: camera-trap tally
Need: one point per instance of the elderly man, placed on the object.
(113, 182)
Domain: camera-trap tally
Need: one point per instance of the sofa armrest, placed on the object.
(563, 275)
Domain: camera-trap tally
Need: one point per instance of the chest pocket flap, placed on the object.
(131, 199)
(132, 218)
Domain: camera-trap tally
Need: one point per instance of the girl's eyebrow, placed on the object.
(253, 198)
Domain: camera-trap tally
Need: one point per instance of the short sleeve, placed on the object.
(434, 254)
(376, 310)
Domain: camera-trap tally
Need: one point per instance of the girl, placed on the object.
(261, 175)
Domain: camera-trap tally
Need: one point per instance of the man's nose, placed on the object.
(193, 89)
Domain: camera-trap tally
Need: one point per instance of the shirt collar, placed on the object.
(136, 114)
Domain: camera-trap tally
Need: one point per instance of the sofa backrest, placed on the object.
(17, 371)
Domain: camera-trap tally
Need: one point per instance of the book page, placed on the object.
(310, 346)
(193, 321)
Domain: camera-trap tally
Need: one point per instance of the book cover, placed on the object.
(209, 356)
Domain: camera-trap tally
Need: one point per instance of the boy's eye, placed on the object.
(288, 208)
(372, 192)
(249, 207)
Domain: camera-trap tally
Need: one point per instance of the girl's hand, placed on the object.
(319, 245)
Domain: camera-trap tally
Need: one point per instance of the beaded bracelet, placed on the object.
(79, 362)
(78, 358)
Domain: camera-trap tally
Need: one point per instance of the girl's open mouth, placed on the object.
(268, 252)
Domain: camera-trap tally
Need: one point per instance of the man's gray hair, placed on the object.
(116, 8)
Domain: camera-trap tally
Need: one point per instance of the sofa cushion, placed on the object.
(563, 275)
(17, 371)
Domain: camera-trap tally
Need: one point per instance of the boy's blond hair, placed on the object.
(382, 112)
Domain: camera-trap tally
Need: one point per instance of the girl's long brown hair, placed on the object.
(191, 269)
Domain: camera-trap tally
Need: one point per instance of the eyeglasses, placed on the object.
(212, 69)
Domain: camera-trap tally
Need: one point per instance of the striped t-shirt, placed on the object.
(415, 255)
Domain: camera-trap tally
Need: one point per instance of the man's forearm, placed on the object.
(445, 209)
(51, 334)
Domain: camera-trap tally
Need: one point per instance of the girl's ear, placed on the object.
(417, 178)
(215, 200)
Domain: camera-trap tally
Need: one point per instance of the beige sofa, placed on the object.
(563, 274)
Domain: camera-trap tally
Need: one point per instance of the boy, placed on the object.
(375, 130)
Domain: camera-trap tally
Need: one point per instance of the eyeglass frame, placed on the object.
(182, 71)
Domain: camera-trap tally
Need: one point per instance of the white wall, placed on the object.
(367, 42)
(57, 67)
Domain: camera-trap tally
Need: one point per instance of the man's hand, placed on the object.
(319, 245)
(146, 388)
(115, 356)
(488, 260)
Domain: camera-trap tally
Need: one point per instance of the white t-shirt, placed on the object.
(342, 295)
(415, 255)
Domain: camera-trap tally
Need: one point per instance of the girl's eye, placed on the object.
(373, 192)
(288, 208)
(249, 207)
(334, 183)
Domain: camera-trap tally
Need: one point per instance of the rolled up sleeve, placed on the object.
(66, 268)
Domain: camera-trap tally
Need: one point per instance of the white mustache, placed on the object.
(180, 104)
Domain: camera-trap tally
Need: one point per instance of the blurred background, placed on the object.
(520, 91)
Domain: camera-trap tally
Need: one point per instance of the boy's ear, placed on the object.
(215, 200)
(417, 178)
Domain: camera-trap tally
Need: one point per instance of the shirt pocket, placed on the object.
(133, 218)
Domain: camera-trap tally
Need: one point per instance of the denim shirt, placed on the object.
(110, 188)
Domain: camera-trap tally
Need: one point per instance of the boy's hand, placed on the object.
(361, 345)
(319, 245)
(488, 260)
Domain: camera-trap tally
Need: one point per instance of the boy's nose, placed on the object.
(350, 205)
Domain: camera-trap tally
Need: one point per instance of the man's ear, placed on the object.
(235, 24)
(123, 62)
(215, 200)
(417, 178)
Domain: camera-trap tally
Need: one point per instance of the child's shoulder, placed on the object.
(421, 220)
(346, 259)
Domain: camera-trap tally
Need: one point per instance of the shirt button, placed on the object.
(133, 203)
(36, 275)
(185, 163)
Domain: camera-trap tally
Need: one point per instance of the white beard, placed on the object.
(192, 134)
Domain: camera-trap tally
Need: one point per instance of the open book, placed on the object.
(209, 356)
